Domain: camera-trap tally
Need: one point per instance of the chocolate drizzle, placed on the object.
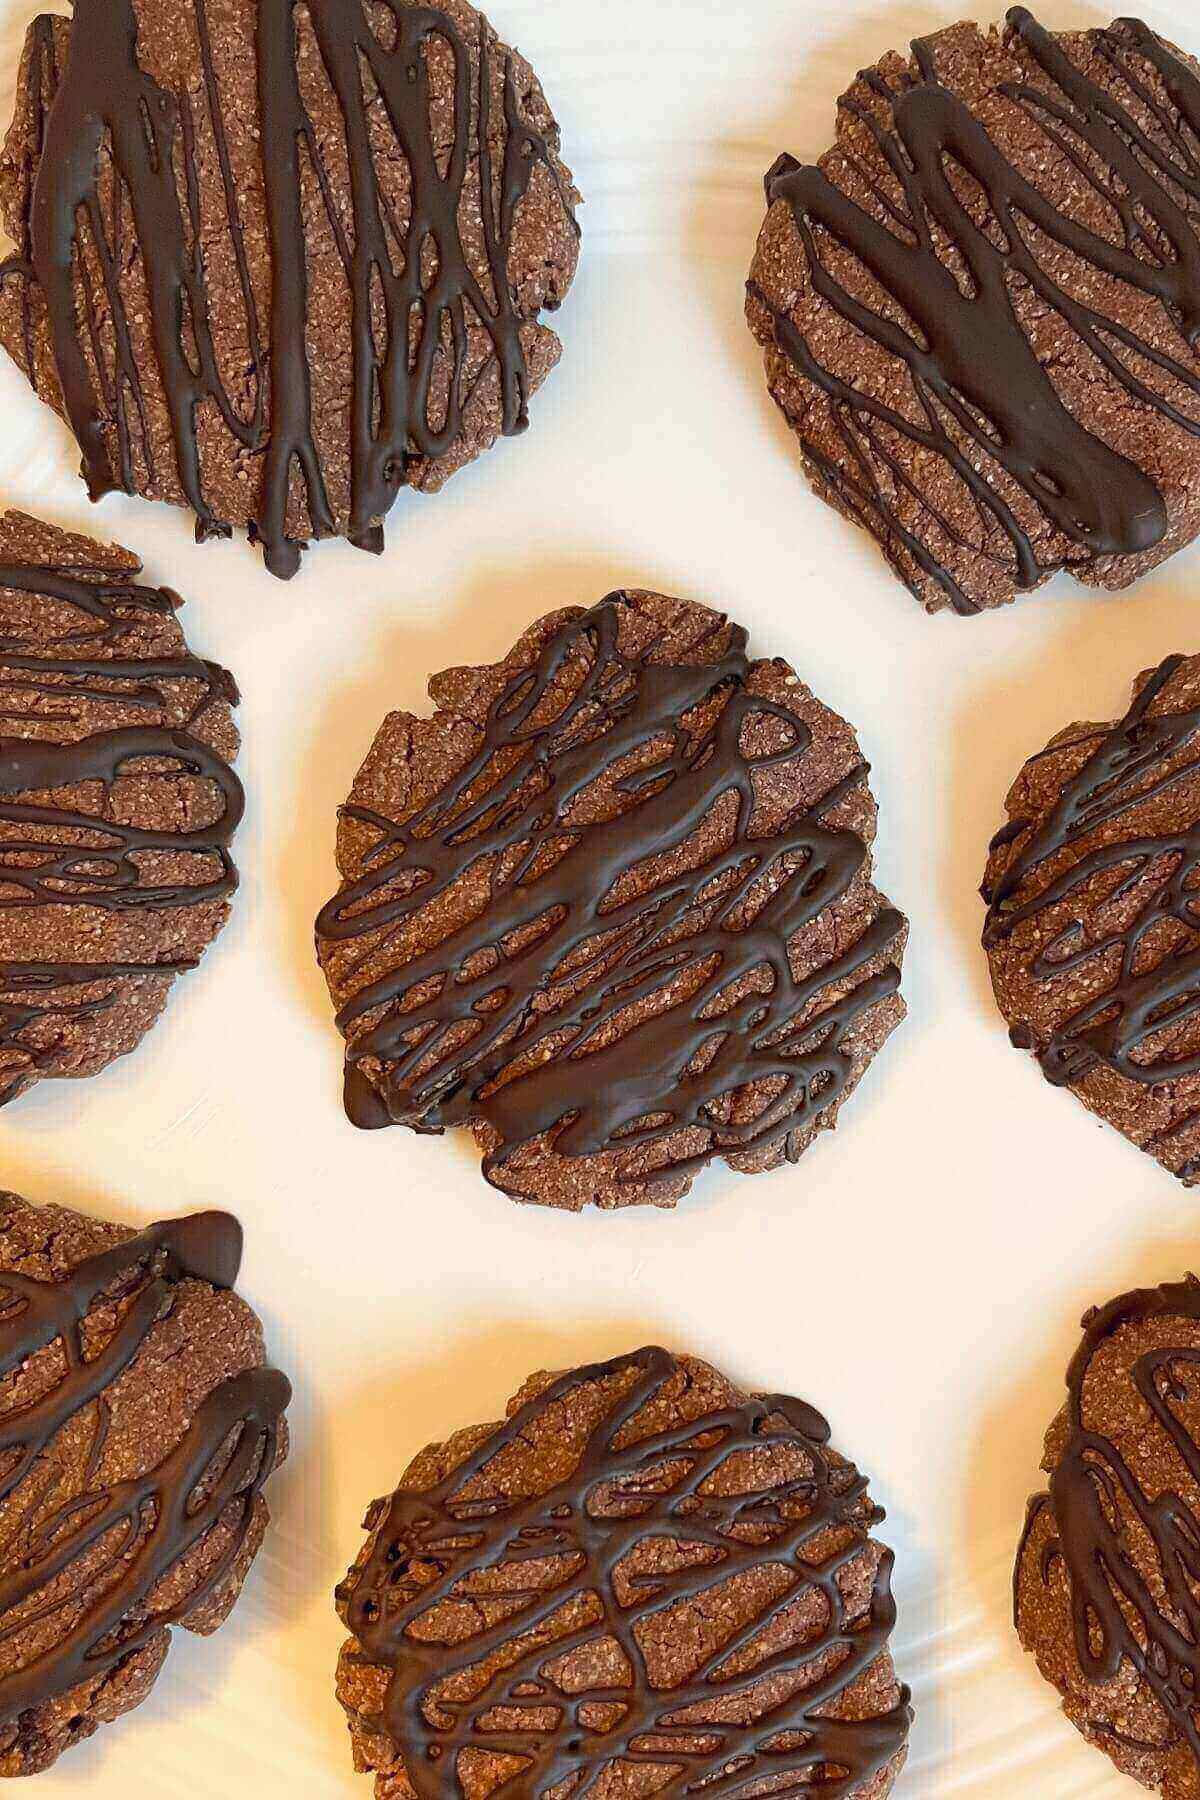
(62, 856)
(707, 946)
(1120, 1610)
(214, 1475)
(120, 164)
(1154, 991)
(979, 384)
(504, 1688)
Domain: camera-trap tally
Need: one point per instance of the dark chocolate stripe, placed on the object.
(247, 1408)
(969, 358)
(621, 1496)
(678, 1067)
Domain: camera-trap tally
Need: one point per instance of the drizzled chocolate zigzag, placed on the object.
(982, 392)
(119, 169)
(504, 1688)
(157, 1516)
(708, 946)
(58, 855)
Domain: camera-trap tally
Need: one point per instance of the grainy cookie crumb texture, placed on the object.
(979, 309)
(117, 803)
(277, 263)
(139, 1425)
(612, 907)
(644, 1580)
(1106, 1576)
(1092, 932)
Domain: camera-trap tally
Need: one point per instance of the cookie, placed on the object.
(1092, 931)
(276, 264)
(139, 1426)
(980, 310)
(612, 907)
(643, 1582)
(1105, 1584)
(117, 803)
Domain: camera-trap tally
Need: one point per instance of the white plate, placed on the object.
(920, 1275)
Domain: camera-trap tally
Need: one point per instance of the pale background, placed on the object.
(921, 1275)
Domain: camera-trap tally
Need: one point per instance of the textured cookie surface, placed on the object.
(1092, 931)
(117, 803)
(1106, 1576)
(138, 1425)
(980, 309)
(643, 1582)
(275, 263)
(612, 907)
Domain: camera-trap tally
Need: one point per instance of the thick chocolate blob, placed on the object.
(117, 806)
(627, 885)
(285, 261)
(1109, 1563)
(643, 1580)
(137, 1488)
(1011, 234)
(1092, 930)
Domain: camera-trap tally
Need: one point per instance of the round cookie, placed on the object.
(643, 1581)
(275, 264)
(980, 309)
(1092, 932)
(1106, 1575)
(139, 1426)
(612, 907)
(117, 803)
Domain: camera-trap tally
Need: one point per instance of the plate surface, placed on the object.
(920, 1276)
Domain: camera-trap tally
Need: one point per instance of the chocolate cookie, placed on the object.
(1107, 1573)
(980, 310)
(117, 803)
(275, 263)
(643, 1582)
(612, 907)
(1093, 933)
(138, 1425)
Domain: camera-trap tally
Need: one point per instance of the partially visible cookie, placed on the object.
(138, 1426)
(980, 309)
(1108, 1572)
(612, 907)
(117, 803)
(643, 1582)
(276, 263)
(1093, 924)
